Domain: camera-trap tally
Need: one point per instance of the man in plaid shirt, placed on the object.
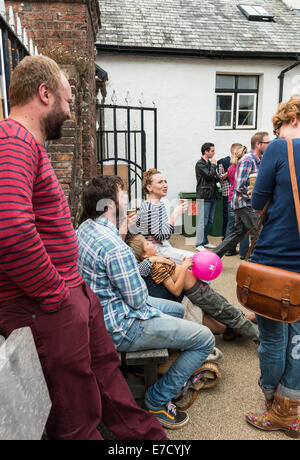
(133, 320)
(245, 217)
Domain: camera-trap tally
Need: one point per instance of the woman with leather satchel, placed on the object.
(278, 247)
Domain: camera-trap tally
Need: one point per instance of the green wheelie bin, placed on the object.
(189, 218)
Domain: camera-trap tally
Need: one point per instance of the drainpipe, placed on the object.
(281, 77)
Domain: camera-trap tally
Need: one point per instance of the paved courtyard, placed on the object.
(218, 413)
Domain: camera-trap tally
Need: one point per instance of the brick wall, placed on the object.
(71, 25)
(66, 153)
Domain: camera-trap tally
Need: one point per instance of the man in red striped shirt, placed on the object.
(40, 286)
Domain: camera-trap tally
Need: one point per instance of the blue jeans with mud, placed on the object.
(279, 358)
(206, 214)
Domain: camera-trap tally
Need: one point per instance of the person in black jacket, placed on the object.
(207, 194)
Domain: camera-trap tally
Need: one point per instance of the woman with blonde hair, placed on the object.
(153, 221)
(278, 245)
(238, 150)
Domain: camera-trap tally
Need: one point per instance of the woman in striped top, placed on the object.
(153, 221)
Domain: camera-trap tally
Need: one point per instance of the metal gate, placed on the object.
(127, 145)
(12, 51)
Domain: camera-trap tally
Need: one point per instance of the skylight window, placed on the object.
(256, 13)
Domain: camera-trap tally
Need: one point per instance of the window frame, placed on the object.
(238, 110)
(236, 91)
(3, 78)
(232, 111)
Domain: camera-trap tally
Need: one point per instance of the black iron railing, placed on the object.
(127, 136)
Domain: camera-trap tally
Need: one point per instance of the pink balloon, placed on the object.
(207, 265)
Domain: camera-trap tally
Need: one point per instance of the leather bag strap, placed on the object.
(257, 228)
(294, 180)
(295, 195)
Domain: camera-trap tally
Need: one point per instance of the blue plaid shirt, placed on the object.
(110, 268)
(247, 165)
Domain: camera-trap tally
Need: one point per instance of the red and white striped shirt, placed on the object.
(38, 244)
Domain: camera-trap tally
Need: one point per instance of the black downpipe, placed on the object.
(281, 77)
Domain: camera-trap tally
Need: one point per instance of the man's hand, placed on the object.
(131, 222)
(128, 224)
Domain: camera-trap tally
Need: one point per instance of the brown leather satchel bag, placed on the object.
(269, 291)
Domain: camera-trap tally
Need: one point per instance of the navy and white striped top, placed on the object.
(152, 220)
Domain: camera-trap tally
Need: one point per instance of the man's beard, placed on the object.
(53, 122)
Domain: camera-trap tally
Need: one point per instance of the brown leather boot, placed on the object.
(283, 415)
(268, 402)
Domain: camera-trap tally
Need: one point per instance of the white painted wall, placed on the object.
(292, 4)
(184, 92)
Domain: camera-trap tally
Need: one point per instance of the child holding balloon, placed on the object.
(179, 278)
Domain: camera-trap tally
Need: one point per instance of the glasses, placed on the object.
(266, 142)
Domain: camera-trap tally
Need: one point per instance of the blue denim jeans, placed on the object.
(245, 219)
(194, 340)
(206, 213)
(169, 307)
(279, 357)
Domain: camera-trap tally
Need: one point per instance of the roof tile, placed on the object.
(197, 25)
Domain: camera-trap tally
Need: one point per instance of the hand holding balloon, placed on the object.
(207, 265)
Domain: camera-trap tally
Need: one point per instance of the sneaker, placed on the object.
(210, 246)
(169, 416)
(231, 253)
(200, 248)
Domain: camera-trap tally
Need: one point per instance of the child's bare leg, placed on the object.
(215, 326)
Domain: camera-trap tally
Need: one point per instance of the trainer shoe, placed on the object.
(231, 253)
(200, 248)
(169, 416)
(210, 246)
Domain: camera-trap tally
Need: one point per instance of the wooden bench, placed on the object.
(150, 360)
(24, 398)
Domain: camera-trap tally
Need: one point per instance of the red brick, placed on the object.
(75, 27)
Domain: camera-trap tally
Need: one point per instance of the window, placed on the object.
(236, 101)
(256, 13)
